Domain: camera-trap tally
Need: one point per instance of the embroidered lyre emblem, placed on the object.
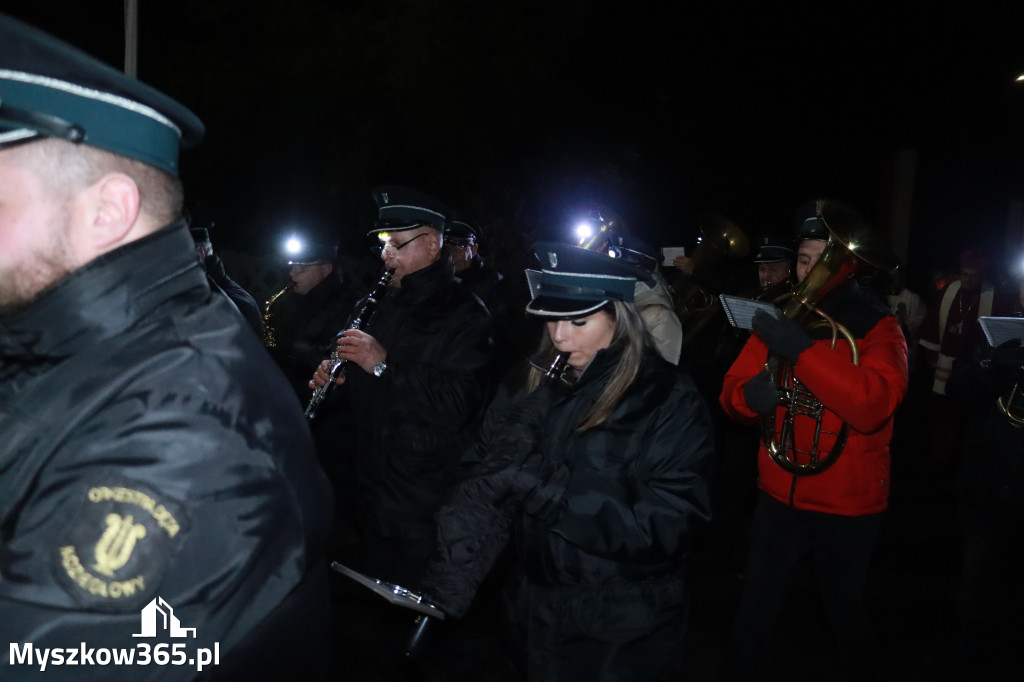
(115, 546)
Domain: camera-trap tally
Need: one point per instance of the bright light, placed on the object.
(293, 245)
(1020, 78)
(584, 230)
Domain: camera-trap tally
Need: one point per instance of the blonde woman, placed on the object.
(600, 484)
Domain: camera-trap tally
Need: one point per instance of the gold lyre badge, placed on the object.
(115, 546)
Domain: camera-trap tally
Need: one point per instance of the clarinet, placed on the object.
(361, 318)
(555, 374)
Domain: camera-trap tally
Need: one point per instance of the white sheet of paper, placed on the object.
(1001, 329)
(740, 311)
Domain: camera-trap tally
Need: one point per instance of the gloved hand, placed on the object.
(539, 484)
(761, 394)
(783, 336)
(532, 482)
(1008, 356)
(521, 429)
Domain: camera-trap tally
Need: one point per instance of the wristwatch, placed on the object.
(379, 368)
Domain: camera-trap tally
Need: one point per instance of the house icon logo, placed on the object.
(158, 616)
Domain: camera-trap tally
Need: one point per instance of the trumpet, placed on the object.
(361, 317)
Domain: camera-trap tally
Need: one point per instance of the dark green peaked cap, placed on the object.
(50, 89)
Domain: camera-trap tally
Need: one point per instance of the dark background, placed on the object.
(526, 112)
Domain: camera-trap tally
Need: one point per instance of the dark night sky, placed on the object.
(522, 112)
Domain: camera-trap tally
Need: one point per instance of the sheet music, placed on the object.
(740, 311)
(999, 330)
(396, 594)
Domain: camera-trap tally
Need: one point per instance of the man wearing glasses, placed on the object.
(412, 392)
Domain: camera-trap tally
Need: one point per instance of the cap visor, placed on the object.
(550, 306)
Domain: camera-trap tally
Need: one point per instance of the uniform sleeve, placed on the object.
(653, 511)
(749, 363)
(155, 497)
(451, 392)
(865, 395)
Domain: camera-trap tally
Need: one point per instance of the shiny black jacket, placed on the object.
(152, 451)
(401, 434)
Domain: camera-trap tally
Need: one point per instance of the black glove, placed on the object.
(520, 429)
(539, 484)
(1008, 356)
(761, 394)
(783, 336)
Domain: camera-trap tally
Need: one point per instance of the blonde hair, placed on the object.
(631, 335)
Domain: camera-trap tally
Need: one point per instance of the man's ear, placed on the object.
(435, 243)
(113, 210)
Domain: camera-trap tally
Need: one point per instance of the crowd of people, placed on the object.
(538, 452)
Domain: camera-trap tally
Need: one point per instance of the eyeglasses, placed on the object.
(392, 249)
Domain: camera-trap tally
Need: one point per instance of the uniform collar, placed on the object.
(103, 298)
(426, 282)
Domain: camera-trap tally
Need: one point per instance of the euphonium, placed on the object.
(269, 339)
(850, 244)
(1011, 405)
(359, 319)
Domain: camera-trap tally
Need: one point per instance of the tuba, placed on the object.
(1011, 406)
(850, 245)
(269, 337)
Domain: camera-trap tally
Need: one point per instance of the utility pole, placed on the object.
(131, 37)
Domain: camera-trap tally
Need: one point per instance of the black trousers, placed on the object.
(840, 548)
(989, 595)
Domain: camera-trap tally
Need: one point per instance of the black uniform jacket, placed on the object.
(304, 328)
(638, 488)
(990, 473)
(406, 429)
(153, 457)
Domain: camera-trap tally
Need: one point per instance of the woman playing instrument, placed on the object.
(600, 484)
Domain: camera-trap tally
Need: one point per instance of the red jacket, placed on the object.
(864, 396)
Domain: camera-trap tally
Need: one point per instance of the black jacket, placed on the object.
(152, 451)
(604, 560)
(400, 435)
(304, 327)
(990, 473)
(243, 300)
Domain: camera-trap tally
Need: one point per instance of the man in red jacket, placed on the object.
(833, 516)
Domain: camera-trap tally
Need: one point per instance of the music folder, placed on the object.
(999, 330)
(740, 311)
(396, 594)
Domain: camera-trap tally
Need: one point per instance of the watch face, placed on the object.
(379, 368)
